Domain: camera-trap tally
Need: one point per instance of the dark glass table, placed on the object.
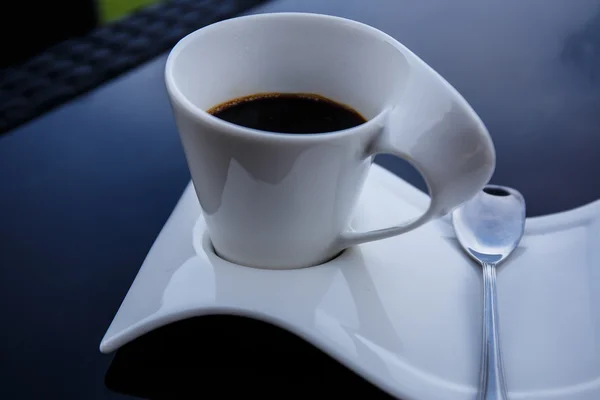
(86, 188)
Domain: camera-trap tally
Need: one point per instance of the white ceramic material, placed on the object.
(285, 201)
(405, 312)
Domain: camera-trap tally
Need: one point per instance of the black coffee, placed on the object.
(288, 113)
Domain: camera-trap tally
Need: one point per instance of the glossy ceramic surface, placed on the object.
(404, 312)
(283, 201)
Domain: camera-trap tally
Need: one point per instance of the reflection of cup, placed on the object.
(284, 201)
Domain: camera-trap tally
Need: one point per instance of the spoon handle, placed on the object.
(492, 385)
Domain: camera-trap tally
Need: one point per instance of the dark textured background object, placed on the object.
(79, 64)
(29, 27)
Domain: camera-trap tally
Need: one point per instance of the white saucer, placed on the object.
(405, 312)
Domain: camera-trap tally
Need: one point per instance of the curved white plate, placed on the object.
(405, 313)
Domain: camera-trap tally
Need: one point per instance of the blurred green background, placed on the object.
(110, 10)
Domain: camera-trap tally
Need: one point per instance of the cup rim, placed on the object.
(238, 130)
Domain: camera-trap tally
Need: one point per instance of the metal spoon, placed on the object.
(489, 227)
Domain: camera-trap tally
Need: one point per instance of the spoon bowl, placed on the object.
(490, 226)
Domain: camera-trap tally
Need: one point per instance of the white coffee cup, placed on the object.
(284, 201)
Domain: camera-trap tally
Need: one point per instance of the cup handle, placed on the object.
(452, 150)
